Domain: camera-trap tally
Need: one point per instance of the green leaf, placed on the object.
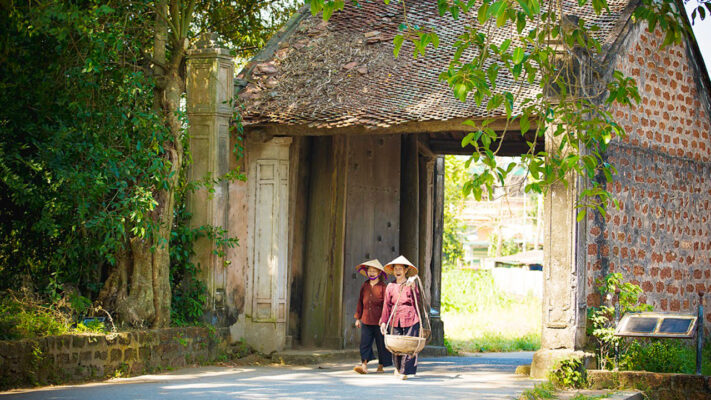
(581, 214)
(517, 56)
(483, 13)
(454, 10)
(501, 17)
(492, 73)
(494, 9)
(442, 6)
(525, 7)
(316, 6)
(327, 11)
(524, 124)
(397, 44)
(505, 45)
(460, 92)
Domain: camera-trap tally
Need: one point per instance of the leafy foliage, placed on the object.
(569, 373)
(508, 247)
(603, 319)
(80, 146)
(87, 148)
(24, 317)
(665, 355)
(453, 235)
(93, 326)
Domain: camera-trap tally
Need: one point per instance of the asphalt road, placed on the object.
(485, 376)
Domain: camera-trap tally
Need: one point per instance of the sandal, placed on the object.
(359, 369)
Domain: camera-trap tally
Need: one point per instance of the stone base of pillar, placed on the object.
(545, 359)
(437, 331)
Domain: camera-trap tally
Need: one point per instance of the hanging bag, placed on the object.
(408, 345)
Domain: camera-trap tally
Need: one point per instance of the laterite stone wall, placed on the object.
(71, 358)
(656, 386)
(660, 238)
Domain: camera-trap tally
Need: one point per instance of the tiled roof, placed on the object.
(342, 73)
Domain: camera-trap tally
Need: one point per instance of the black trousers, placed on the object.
(368, 335)
(406, 365)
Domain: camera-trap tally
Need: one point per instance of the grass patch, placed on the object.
(478, 317)
(540, 391)
(28, 318)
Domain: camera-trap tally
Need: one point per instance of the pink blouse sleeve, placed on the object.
(387, 304)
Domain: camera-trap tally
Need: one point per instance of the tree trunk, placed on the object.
(138, 288)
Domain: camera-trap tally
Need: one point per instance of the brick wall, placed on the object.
(70, 358)
(660, 239)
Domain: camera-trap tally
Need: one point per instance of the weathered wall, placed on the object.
(66, 358)
(660, 237)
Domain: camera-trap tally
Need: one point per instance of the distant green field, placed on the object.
(478, 317)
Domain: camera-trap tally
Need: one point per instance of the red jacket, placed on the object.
(370, 303)
(406, 314)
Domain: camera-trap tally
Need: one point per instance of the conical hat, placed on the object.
(401, 260)
(363, 267)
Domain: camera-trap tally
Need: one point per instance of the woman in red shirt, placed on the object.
(368, 311)
(405, 321)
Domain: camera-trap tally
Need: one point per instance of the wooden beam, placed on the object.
(454, 147)
(433, 126)
(424, 149)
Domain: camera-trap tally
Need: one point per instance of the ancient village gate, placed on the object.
(292, 274)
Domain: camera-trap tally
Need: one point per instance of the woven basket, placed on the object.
(398, 344)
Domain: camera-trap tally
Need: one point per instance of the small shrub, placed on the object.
(92, 326)
(24, 317)
(671, 356)
(569, 373)
(602, 320)
(542, 391)
(451, 351)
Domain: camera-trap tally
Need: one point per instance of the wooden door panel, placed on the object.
(372, 215)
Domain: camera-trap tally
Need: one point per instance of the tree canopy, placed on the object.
(92, 151)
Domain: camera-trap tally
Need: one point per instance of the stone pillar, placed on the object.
(210, 74)
(564, 316)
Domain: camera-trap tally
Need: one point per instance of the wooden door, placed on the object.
(265, 317)
(372, 215)
(271, 240)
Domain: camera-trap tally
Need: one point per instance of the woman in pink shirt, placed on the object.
(405, 320)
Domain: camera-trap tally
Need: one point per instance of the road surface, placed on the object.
(484, 376)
